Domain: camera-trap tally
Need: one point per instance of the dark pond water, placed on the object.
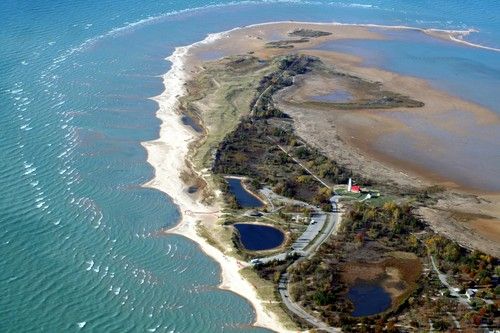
(368, 299)
(243, 197)
(337, 96)
(188, 121)
(192, 189)
(255, 237)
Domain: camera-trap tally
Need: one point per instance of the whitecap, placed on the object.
(30, 171)
(81, 324)
(90, 263)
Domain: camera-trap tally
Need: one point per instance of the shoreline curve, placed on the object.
(167, 154)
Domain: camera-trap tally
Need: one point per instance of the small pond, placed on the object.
(188, 121)
(337, 96)
(243, 197)
(256, 237)
(368, 299)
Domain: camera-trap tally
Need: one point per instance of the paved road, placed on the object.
(298, 310)
(444, 281)
(317, 223)
(306, 245)
(331, 226)
(315, 234)
(332, 222)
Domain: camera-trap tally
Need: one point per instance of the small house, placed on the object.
(355, 188)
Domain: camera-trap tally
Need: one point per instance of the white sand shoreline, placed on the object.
(167, 155)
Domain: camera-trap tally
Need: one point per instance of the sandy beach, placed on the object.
(168, 156)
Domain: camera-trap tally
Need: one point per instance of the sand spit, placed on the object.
(167, 155)
(456, 36)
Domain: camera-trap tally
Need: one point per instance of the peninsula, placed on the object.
(269, 145)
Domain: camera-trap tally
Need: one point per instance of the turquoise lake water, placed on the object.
(78, 243)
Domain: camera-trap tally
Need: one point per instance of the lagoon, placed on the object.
(337, 96)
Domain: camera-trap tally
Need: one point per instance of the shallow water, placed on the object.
(337, 96)
(468, 155)
(256, 237)
(78, 242)
(466, 72)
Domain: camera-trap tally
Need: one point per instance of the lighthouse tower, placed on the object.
(349, 185)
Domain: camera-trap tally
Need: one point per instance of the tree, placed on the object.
(413, 242)
(323, 298)
(440, 325)
(323, 195)
(451, 252)
(360, 237)
(302, 152)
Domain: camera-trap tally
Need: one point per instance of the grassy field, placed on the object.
(218, 97)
